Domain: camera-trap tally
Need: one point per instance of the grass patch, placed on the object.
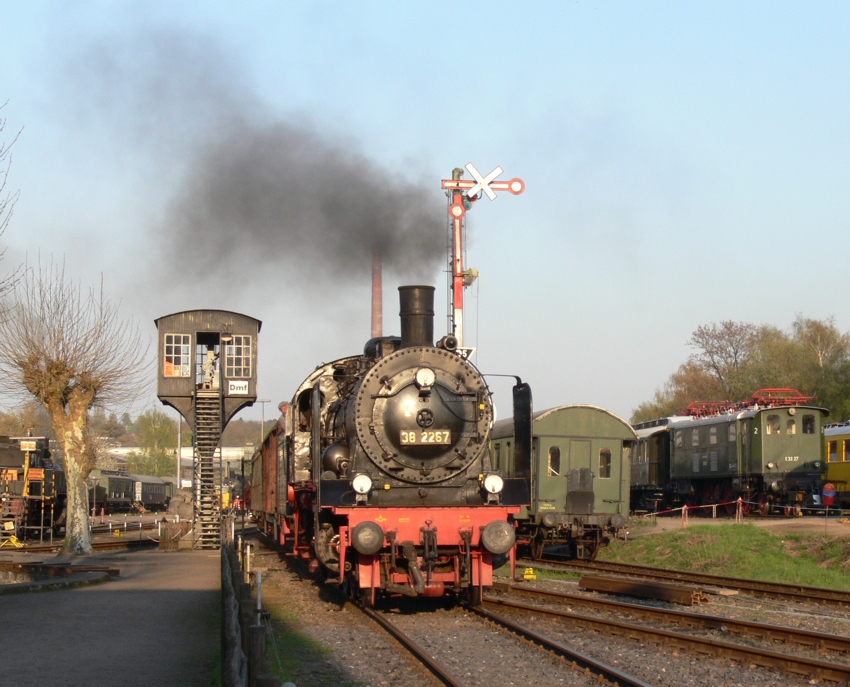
(744, 551)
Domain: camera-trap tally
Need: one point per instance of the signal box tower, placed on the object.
(207, 371)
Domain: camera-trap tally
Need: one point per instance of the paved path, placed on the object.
(155, 625)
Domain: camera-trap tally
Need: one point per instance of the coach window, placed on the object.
(497, 453)
(846, 455)
(832, 451)
(678, 440)
(554, 461)
(733, 433)
(176, 356)
(604, 463)
(790, 426)
(238, 358)
(712, 435)
(772, 426)
(694, 437)
(808, 424)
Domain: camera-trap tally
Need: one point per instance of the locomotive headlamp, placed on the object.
(493, 484)
(425, 378)
(498, 537)
(817, 464)
(771, 465)
(362, 484)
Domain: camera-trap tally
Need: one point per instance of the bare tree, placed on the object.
(7, 198)
(722, 350)
(70, 350)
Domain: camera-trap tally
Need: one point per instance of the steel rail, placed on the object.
(437, 669)
(798, 665)
(777, 590)
(609, 673)
(777, 633)
(97, 545)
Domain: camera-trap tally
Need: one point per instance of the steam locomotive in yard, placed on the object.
(767, 450)
(379, 470)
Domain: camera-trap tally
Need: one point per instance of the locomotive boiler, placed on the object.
(384, 479)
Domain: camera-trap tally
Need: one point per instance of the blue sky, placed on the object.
(684, 164)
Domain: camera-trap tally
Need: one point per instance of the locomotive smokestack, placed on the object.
(377, 294)
(417, 315)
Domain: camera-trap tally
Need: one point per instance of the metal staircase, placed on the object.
(207, 487)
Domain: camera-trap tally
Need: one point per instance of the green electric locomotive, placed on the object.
(766, 450)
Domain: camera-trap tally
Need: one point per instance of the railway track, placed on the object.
(775, 590)
(117, 543)
(594, 670)
(797, 665)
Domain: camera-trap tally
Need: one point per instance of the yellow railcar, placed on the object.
(837, 444)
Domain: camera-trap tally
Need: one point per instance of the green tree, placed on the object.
(157, 443)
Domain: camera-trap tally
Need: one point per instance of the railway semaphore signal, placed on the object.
(462, 193)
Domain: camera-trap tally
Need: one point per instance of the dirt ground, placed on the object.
(836, 526)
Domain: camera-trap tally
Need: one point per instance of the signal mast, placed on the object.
(462, 194)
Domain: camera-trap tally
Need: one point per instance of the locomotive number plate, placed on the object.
(426, 436)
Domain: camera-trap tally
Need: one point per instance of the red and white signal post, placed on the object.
(462, 193)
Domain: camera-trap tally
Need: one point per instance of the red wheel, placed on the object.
(763, 505)
(786, 511)
(796, 510)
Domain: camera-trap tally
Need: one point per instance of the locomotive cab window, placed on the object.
(604, 463)
(554, 462)
(772, 426)
(176, 355)
(790, 426)
(733, 434)
(238, 357)
(832, 451)
(808, 424)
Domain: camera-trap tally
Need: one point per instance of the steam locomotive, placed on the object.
(379, 470)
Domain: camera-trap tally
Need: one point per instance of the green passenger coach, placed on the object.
(579, 477)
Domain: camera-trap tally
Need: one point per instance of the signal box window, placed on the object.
(808, 424)
(176, 355)
(832, 451)
(712, 435)
(604, 463)
(846, 450)
(791, 426)
(773, 426)
(733, 433)
(554, 462)
(238, 358)
(694, 437)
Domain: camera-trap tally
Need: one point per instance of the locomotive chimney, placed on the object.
(377, 294)
(417, 315)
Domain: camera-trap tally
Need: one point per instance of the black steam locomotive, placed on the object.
(385, 476)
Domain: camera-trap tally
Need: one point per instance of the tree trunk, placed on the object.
(77, 534)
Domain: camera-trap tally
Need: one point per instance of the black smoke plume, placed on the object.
(251, 188)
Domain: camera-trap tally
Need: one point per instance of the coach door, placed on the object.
(551, 461)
